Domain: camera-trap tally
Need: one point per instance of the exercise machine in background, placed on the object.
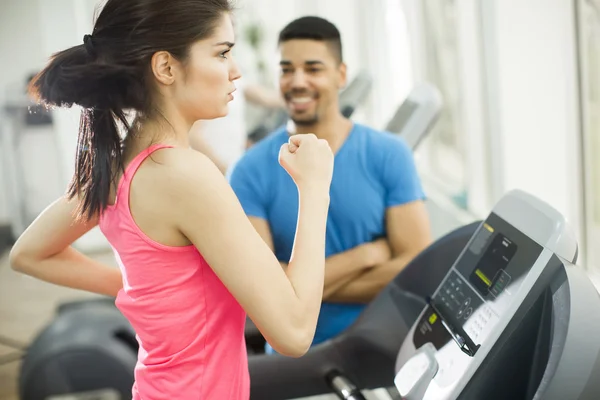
(417, 114)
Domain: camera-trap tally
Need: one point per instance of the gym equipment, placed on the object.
(514, 318)
(355, 93)
(89, 352)
(508, 318)
(417, 114)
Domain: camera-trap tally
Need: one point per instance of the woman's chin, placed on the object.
(220, 114)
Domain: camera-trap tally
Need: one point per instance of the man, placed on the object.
(377, 220)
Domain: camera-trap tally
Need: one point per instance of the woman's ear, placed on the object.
(163, 67)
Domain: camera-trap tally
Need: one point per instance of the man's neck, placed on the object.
(335, 131)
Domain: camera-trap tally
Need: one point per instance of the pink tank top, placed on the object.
(189, 327)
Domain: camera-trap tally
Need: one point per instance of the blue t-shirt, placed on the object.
(373, 170)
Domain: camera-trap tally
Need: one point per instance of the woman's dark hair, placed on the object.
(109, 75)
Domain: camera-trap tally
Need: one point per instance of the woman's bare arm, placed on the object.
(44, 251)
(284, 304)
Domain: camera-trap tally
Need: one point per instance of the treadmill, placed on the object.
(514, 318)
(494, 310)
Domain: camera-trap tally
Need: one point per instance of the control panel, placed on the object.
(477, 290)
(480, 295)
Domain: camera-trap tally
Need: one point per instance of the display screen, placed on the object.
(498, 258)
(489, 276)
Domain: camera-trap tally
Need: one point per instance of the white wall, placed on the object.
(22, 54)
(31, 31)
(382, 44)
(519, 96)
(474, 113)
(533, 80)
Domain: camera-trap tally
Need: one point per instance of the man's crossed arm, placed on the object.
(408, 233)
(359, 274)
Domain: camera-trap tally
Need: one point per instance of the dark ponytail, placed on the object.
(104, 91)
(98, 160)
(108, 75)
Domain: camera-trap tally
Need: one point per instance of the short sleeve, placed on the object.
(247, 180)
(400, 176)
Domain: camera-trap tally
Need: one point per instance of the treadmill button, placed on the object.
(468, 312)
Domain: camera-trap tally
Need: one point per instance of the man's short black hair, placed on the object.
(315, 28)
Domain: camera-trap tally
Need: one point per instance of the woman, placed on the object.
(191, 264)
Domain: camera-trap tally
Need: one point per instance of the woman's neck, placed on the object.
(144, 133)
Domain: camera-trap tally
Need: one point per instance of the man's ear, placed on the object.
(163, 67)
(343, 77)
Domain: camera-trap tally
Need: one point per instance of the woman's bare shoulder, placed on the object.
(184, 170)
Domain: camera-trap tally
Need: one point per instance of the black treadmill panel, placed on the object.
(498, 258)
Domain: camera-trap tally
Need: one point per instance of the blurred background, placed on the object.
(520, 83)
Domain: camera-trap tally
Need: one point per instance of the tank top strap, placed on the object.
(139, 159)
(130, 170)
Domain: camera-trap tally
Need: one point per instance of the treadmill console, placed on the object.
(479, 288)
(480, 295)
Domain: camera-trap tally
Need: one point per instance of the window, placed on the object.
(398, 57)
(443, 153)
(447, 48)
(589, 63)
